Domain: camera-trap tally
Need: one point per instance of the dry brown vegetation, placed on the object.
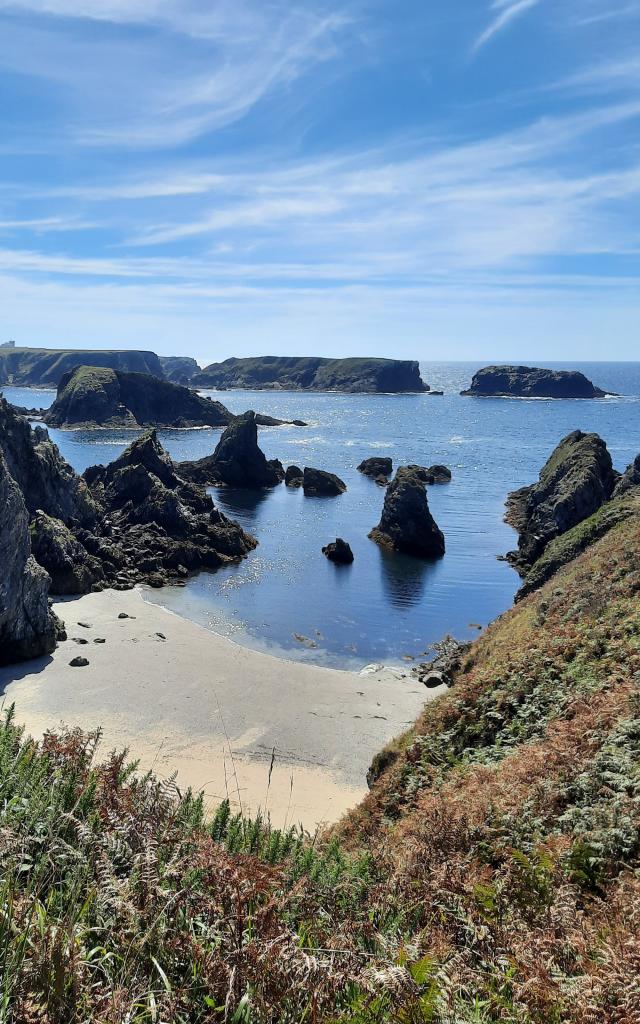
(491, 874)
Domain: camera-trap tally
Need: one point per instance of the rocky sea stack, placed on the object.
(238, 461)
(27, 625)
(339, 551)
(91, 396)
(406, 523)
(531, 382)
(312, 373)
(575, 482)
(318, 483)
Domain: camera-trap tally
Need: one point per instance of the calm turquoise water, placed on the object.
(384, 606)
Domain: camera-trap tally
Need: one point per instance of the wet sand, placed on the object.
(183, 699)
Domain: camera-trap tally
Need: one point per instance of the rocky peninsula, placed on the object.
(45, 367)
(531, 382)
(307, 373)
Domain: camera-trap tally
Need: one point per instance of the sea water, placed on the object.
(287, 598)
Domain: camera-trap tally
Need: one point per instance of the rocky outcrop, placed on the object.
(312, 373)
(439, 474)
(339, 551)
(44, 367)
(71, 568)
(90, 396)
(238, 461)
(318, 483)
(629, 479)
(575, 482)
(293, 476)
(156, 526)
(27, 626)
(531, 382)
(378, 468)
(406, 523)
(178, 369)
(46, 481)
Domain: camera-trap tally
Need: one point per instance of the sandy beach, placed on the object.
(183, 699)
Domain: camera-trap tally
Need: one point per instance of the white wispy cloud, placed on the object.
(505, 11)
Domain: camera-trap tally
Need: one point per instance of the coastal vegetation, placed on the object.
(531, 382)
(491, 874)
(312, 373)
(45, 367)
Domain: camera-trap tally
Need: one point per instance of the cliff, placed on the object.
(43, 367)
(89, 396)
(310, 373)
(531, 382)
(179, 369)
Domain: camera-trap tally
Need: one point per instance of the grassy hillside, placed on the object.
(41, 367)
(491, 875)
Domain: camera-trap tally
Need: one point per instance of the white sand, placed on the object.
(198, 704)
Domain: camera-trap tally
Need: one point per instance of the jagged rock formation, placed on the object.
(576, 481)
(90, 396)
(156, 526)
(71, 568)
(338, 551)
(47, 482)
(629, 479)
(178, 369)
(378, 468)
(43, 367)
(406, 523)
(439, 474)
(312, 373)
(237, 461)
(317, 483)
(293, 476)
(27, 626)
(531, 382)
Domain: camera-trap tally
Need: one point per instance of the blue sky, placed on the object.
(232, 177)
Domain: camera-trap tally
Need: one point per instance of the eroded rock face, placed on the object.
(339, 551)
(237, 461)
(46, 481)
(575, 482)
(91, 396)
(406, 523)
(376, 467)
(27, 626)
(156, 526)
(531, 382)
(629, 479)
(317, 483)
(71, 568)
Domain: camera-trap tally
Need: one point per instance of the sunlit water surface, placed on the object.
(287, 598)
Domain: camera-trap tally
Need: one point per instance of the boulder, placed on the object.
(531, 382)
(575, 482)
(439, 474)
(28, 628)
(319, 483)
(339, 552)
(406, 523)
(376, 467)
(71, 568)
(293, 476)
(237, 460)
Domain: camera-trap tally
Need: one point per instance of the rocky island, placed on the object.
(91, 396)
(312, 373)
(237, 461)
(531, 382)
(45, 367)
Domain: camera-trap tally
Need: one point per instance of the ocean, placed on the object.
(287, 599)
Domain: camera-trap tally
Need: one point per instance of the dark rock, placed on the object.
(237, 460)
(99, 640)
(443, 667)
(531, 382)
(339, 552)
(79, 662)
(629, 479)
(27, 626)
(319, 483)
(123, 615)
(79, 640)
(293, 476)
(312, 373)
(41, 367)
(90, 396)
(575, 482)
(439, 474)
(376, 467)
(382, 761)
(71, 568)
(407, 524)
